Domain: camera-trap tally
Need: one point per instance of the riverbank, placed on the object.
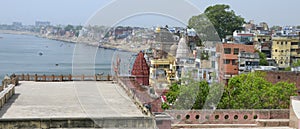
(114, 45)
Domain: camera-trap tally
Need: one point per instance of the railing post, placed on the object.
(53, 78)
(61, 78)
(95, 77)
(28, 77)
(70, 77)
(44, 78)
(82, 77)
(35, 77)
(22, 77)
(108, 77)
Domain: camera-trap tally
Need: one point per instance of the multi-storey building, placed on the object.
(228, 59)
(248, 61)
(285, 50)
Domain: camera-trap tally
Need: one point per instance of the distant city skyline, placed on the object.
(78, 12)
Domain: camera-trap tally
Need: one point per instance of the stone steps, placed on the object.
(272, 122)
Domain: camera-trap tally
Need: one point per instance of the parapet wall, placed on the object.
(46, 123)
(6, 93)
(225, 116)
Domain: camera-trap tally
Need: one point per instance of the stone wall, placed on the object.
(225, 116)
(277, 76)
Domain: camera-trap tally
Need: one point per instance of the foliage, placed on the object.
(275, 28)
(262, 59)
(225, 21)
(165, 106)
(191, 95)
(296, 64)
(287, 69)
(69, 28)
(252, 91)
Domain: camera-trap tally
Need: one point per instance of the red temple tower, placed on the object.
(140, 69)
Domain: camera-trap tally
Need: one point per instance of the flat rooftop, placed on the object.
(69, 99)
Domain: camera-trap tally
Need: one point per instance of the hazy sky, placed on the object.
(274, 12)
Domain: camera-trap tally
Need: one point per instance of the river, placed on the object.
(33, 55)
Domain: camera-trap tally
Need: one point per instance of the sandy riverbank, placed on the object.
(116, 45)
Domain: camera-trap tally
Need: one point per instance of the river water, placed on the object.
(33, 55)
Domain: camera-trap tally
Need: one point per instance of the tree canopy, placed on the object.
(191, 96)
(217, 18)
(252, 91)
(262, 59)
(245, 91)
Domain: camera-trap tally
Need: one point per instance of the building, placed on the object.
(206, 64)
(285, 50)
(228, 59)
(140, 70)
(247, 61)
(162, 73)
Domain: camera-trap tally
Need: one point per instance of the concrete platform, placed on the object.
(86, 99)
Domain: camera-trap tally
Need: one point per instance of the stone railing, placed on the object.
(6, 94)
(225, 116)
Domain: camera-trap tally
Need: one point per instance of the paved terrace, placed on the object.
(85, 104)
(69, 99)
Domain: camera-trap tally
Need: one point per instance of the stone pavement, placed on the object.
(69, 99)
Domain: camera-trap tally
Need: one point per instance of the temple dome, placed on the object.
(182, 50)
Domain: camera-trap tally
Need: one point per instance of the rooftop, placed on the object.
(69, 99)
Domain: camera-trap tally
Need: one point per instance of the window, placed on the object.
(258, 40)
(275, 50)
(213, 54)
(285, 42)
(264, 40)
(281, 43)
(227, 50)
(236, 51)
(234, 62)
(226, 61)
(213, 64)
(294, 43)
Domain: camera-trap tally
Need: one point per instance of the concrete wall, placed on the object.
(133, 122)
(225, 116)
(294, 112)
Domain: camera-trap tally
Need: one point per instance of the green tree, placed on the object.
(252, 91)
(189, 96)
(224, 20)
(69, 28)
(262, 59)
(296, 64)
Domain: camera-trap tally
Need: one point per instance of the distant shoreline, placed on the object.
(72, 40)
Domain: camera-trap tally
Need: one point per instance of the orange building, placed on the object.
(228, 59)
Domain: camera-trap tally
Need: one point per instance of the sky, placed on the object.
(274, 12)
